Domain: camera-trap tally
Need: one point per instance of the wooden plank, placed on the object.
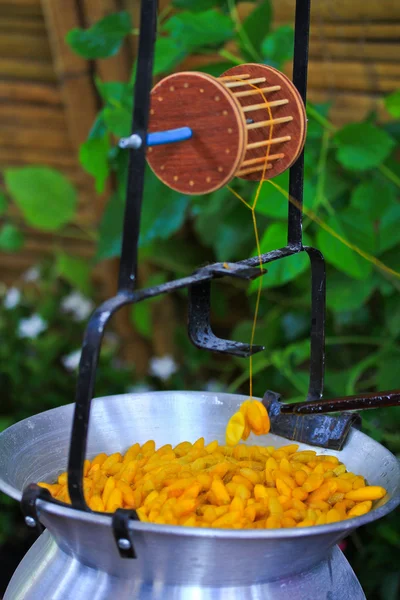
(342, 10)
(37, 156)
(16, 137)
(32, 70)
(348, 106)
(26, 8)
(26, 115)
(373, 51)
(332, 75)
(24, 45)
(73, 72)
(26, 91)
(30, 25)
(364, 31)
(116, 68)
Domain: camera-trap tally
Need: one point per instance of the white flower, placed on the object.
(77, 305)
(31, 274)
(12, 298)
(31, 327)
(163, 367)
(71, 360)
(214, 386)
(139, 388)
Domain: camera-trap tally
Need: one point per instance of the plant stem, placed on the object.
(386, 172)
(241, 32)
(389, 175)
(231, 57)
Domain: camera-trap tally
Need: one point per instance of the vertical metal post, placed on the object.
(300, 71)
(137, 158)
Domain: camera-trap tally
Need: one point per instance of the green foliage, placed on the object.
(254, 29)
(3, 203)
(352, 180)
(103, 39)
(362, 146)
(110, 229)
(11, 238)
(74, 270)
(35, 374)
(164, 215)
(192, 31)
(93, 156)
(392, 104)
(45, 197)
(340, 255)
(277, 47)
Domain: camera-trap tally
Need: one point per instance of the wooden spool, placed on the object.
(248, 123)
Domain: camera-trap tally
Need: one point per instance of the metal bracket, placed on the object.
(31, 494)
(199, 326)
(316, 430)
(122, 535)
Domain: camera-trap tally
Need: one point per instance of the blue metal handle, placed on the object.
(169, 137)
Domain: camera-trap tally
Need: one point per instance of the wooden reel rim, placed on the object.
(295, 129)
(210, 159)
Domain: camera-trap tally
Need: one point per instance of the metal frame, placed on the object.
(199, 284)
(199, 327)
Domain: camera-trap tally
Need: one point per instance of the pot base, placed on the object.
(48, 572)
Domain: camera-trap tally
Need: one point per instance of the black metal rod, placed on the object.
(358, 402)
(84, 394)
(317, 349)
(137, 158)
(300, 72)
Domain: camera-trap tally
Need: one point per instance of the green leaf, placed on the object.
(103, 39)
(192, 31)
(345, 294)
(11, 238)
(271, 202)
(93, 156)
(392, 315)
(114, 92)
(141, 318)
(338, 254)
(3, 203)
(389, 229)
(314, 129)
(232, 237)
(360, 230)
(163, 211)
(373, 198)
(110, 230)
(168, 54)
(286, 269)
(392, 104)
(255, 27)
(278, 46)
(362, 146)
(173, 255)
(45, 197)
(197, 5)
(98, 129)
(74, 270)
(118, 120)
(388, 371)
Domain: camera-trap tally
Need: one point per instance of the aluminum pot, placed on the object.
(171, 557)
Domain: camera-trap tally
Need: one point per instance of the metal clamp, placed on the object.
(122, 535)
(31, 494)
